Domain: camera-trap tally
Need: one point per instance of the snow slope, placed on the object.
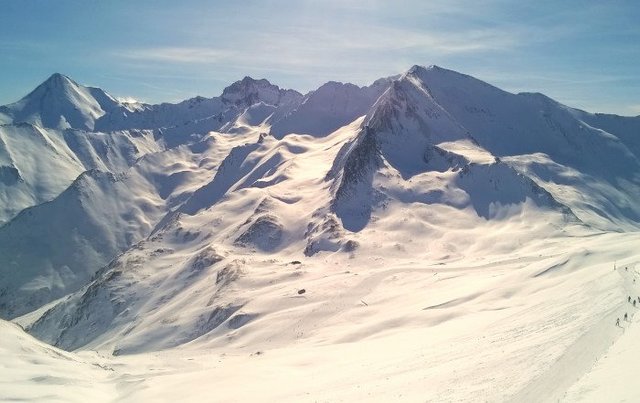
(243, 222)
(53, 248)
(430, 237)
(394, 329)
(34, 371)
(613, 376)
(29, 155)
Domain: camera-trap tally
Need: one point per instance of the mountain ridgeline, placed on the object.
(103, 202)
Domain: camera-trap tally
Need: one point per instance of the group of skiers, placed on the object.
(631, 301)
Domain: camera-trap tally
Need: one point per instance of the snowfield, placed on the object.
(517, 328)
(426, 238)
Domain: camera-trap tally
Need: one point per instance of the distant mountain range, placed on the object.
(116, 215)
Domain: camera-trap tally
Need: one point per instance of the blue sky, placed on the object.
(583, 53)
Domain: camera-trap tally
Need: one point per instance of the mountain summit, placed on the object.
(249, 91)
(61, 103)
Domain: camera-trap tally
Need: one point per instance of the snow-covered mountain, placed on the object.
(61, 103)
(48, 138)
(426, 206)
(213, 112)
(328, 108)
(37, 164)
(56, 247)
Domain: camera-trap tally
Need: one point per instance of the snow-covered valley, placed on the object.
(427, 237)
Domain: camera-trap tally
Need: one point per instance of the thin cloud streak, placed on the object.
(187, 55)
(377, 39)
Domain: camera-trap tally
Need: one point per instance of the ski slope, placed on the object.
(510, 328)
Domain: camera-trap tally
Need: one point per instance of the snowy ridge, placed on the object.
(328, 108)
(28, 154)
(71, 237)
(217, 111)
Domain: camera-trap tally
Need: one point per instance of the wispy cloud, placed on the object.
(303, 49)
(197, 55)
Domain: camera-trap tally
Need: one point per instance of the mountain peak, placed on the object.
(251, 80)
(57, 81)
(249, 91)
(416, 68)
(422, 71)
(58, 77)
(61, 103)
(247, 84)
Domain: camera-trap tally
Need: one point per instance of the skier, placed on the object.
(625, 316)
(629, 299)
(617, 321)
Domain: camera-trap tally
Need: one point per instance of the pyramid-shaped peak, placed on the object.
(58, 80)
(61, 103)
(57, 83)
(416, 68)
(59, 77)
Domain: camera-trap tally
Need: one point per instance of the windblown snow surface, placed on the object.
(426, 238)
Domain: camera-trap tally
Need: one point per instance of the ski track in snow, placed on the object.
(583, 354)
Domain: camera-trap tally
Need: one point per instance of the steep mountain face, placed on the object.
(54, 248)
(150, 278)
(52, 130)
(61, 103)
(396, 157)
(522, 124)
(530, 132)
